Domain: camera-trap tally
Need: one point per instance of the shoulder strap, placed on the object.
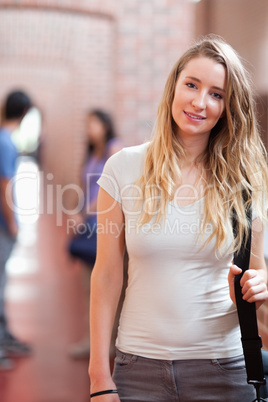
(251, 341)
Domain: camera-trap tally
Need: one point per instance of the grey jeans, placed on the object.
(149, 380)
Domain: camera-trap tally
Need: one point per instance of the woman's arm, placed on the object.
(254, 280)
(106, 286)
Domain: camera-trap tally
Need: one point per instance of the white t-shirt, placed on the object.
(177, 303)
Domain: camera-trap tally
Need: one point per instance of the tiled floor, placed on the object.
(46, 308)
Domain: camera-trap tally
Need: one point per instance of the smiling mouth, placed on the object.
(193, 116)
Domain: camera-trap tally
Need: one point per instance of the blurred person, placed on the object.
(15, 107)
(101, 144)
(179, 334)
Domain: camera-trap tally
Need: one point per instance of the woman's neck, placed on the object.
(194, 148)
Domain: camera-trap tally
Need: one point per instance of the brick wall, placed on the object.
(61, 59)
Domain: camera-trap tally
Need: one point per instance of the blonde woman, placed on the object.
(169, 202)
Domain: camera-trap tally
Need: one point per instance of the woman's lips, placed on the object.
(194, 116)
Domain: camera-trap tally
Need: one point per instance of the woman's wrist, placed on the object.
(100, 382)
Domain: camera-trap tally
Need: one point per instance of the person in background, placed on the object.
(179, 335)
(101, 144)
(15, 107)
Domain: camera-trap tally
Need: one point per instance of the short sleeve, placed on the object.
(7, 159)
(121, 172)
(110, 177)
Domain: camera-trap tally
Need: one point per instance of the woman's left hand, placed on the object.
(254, 287)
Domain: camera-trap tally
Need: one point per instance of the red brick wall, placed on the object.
(61, 59)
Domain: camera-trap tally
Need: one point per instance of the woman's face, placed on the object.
(199, 99)
(96, 130)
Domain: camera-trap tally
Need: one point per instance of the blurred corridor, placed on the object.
(72, 56)
(45, 309)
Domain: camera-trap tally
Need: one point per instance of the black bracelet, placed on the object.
(108, 391)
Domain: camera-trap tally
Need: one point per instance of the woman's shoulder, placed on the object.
(128, 163)
(131, 154)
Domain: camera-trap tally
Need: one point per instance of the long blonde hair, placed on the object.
(235, 160)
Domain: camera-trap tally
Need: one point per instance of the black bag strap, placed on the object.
(251, 341)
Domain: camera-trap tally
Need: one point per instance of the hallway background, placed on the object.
(71, 56)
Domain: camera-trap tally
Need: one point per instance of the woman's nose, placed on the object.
(199, 101)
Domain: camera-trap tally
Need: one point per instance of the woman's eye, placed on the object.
(190, 85)
(217, 95)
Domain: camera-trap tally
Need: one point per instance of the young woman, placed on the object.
(170, 203)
